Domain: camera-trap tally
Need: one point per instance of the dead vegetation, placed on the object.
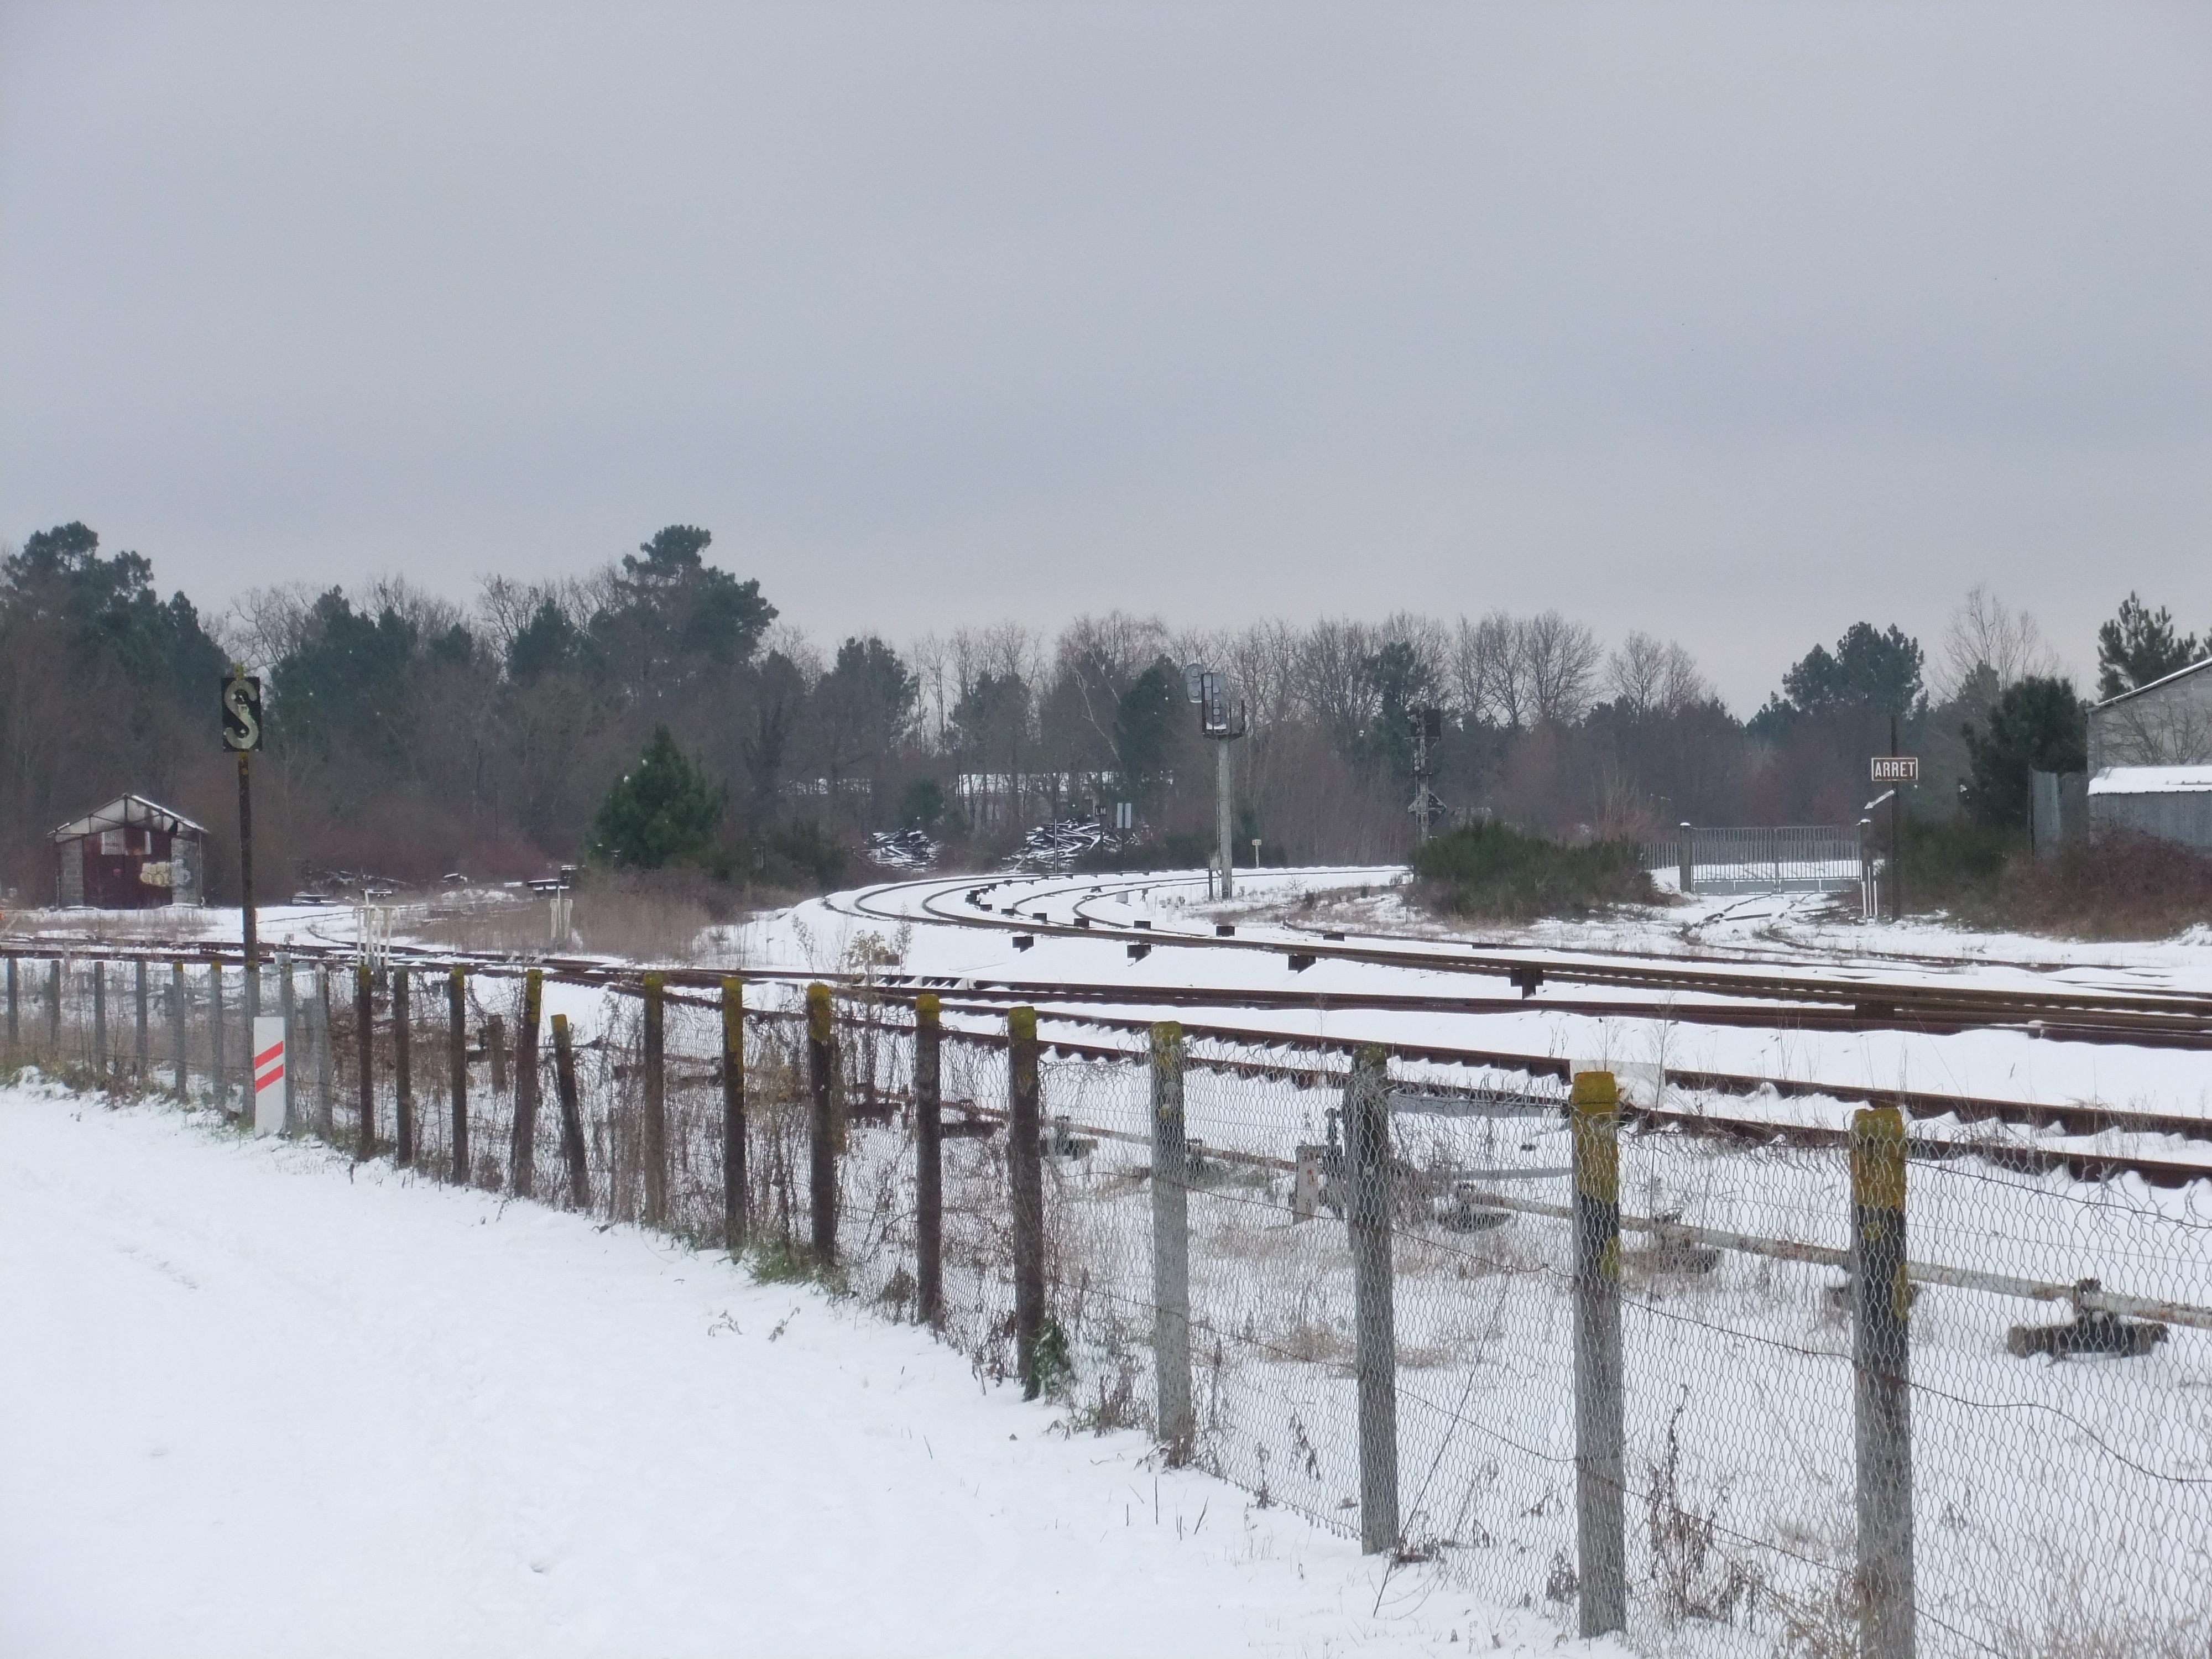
(2117, 885)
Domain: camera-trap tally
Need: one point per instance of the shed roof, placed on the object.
(2197, 667)
(128, 813)
(2152, 781)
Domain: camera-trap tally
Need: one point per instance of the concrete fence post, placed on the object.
(54, 1011)
(100, 1018)
(1882, 1389)
(15, 1016)
(180, 1032)
(288, 1010)
(522, 1153)
(457, 1063)
(736, 1187)
(140, 1058)
(364, 1044)
(822, 1124)
(403, 1065)
(1601, 1518)
(1178, 1427)
(928, 1159)
(1375, 1316)
(572, 1118)
(1025, 1177)
(218, 1074)
(326, 1085)
(655, 1129)
(1687, 860)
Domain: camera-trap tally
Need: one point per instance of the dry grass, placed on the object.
(171, 924)
(2117, 885)
(659, 916)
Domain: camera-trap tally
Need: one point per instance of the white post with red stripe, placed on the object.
(271, 1091)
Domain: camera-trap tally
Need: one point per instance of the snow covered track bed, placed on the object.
(254, 1401)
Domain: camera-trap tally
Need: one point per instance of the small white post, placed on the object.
(271, 1093)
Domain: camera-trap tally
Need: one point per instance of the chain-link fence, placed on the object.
(1832, 1392)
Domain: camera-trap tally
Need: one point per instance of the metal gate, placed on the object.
(1783, 858)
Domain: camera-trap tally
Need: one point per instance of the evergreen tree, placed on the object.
(2139, 646)
(2038, 724)
(663, 810)
(1145, 718)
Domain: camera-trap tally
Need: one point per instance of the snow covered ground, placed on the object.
(257, 1400)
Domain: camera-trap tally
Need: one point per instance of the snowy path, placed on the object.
(252, 1401)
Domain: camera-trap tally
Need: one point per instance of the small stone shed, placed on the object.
(131, 854)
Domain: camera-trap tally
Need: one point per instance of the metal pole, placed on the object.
(247, 918)
(250, 921)
(737, 1187)
(1882, 1390)
(822, 1125)
(15, 1019)
(928, 1160)
(1026, 1174)
(522, 1157)
(1375, 1318)
(1601, 1526)
(1896, 838)
(1171, 1246)
(1222, 814)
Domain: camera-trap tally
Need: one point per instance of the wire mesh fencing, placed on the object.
(1837, 1392)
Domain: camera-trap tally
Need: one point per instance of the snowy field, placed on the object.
(255, 1400)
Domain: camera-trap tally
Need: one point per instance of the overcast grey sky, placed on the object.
(1733, 322)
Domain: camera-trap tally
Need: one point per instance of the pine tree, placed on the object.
(663, 810)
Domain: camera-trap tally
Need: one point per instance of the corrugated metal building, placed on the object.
(131, 854)
(2166, 723)
(2175, 802)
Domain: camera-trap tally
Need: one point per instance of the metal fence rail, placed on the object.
(1726, 1398)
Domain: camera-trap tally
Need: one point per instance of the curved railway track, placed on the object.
(1803, 994)
(1766, 993)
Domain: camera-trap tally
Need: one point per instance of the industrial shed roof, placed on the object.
(2152, 781)
(128, 813)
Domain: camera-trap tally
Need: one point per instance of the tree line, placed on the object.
(657, 710)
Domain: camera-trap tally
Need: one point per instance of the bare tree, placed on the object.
(1647, 676)
(1486, 669)
(790, 642)
(1332, 680)
(1983, 632)
(1559, 663)
(264, 625)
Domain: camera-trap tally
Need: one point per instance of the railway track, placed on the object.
(1068, 1008)
(1800, 996)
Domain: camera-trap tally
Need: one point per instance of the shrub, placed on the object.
(1499, 874)
(2117, 883)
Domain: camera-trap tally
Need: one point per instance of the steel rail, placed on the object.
(2180, 1019)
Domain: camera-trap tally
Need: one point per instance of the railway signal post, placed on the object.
(241, 735)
